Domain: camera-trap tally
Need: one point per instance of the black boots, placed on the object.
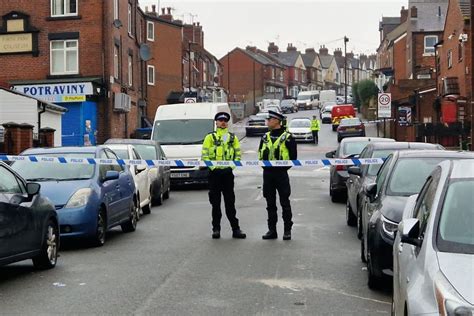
(271, 234)
(287, 235)
(216, 234)
(237, 233)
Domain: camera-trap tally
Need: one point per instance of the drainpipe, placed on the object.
(39, 114)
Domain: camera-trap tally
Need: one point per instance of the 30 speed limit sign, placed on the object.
(384, 105)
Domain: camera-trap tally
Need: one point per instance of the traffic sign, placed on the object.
(190, 100)
(384, 108)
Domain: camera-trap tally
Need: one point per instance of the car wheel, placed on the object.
(49, 251)
(334, 128)
(158, 200)
(147, 208)
(166, 195)
(373, 281)
(351, 219)
(101, 229)
(131, 224)
(339, 139)
(359, 224)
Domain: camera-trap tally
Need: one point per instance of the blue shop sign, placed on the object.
(58, 93)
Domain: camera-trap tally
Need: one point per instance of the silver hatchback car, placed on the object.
(433, 252)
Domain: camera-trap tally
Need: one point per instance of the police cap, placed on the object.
(276, 115)
(222, 116)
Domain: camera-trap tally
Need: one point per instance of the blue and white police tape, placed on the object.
(196, 163)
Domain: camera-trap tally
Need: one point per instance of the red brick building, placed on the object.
(251, 74)
(454, 80)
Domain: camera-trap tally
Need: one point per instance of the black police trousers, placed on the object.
(276, 179)
(315, 136)
(221, 181)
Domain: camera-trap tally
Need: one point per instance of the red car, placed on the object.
(350, 127)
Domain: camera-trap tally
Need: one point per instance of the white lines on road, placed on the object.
(300, 285)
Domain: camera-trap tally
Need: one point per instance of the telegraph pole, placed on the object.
(345, 68)
(472, 79)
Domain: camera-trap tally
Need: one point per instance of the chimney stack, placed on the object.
(338, 52)
(169, 10)
(251, 48)
(290, 48)
(403, 15)
(413, 12)
(350, 55)
(323, 50)
(153, 8)
(163, 11)
(310, 50)
(272, 48)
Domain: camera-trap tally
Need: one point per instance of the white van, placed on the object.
(308, 100)
(327, 96)
(180, 129)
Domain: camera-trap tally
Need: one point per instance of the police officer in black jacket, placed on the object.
(277, 144)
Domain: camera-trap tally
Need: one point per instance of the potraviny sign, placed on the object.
(58, 93)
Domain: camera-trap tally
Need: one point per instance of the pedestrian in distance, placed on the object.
(277, 144)
(222, 145)
(315, 127)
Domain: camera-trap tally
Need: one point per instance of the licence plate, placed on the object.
(351, 129)
(179, 175)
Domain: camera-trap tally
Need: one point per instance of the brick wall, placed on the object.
(399, 61)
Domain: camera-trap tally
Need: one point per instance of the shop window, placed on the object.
(150, 34)
(63, 7)
(64, 57)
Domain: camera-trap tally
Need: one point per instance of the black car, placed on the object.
(348, 148)
(402, 174)
(364, 174)
(256, 125)
(28, 222)
(159, 175)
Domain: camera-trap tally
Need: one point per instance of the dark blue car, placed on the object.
(89, 199)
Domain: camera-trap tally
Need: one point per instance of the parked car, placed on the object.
(159, 176)
(300, 128)
(325, 113)
(89, 198)
(139, 173)
(403, 174)
(350, 127)
(28, 222)
(434, 246)
(308, 100)
(359, 176)
(256, 124)
(348, 148)
(288, 106)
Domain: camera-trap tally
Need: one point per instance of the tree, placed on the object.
(355, 95)
(366, 90)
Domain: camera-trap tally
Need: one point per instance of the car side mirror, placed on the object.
(370, 191)
(32, 188)
(355, 170)
(410, 229)
(331, 154)
(111, 175)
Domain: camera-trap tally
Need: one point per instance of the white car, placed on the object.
(140, 174)
(300, 128)
(325, 113)
(433, 252)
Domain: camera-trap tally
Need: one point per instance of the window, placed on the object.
(63, 7)
(382, 175)
(9, 182)
(295, 73)
(116, 9)
(116, 61)
(150, 31)
(460, 52)
(303, 74)
(64, 57)
(129, 19)
(337, 77)
(450, 58)
(151, 75)
(430, 41)
(130, 70)
(273, 73)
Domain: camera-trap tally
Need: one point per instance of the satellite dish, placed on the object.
(117, 23)
(145, 53)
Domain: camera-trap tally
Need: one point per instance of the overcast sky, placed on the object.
(305, 23)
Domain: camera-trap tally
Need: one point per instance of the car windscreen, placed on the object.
(147, 152)
(409, 175)
(354, 121)
(182, 132)
(304, 97)
(374, 169)
(300, 123)
(55, 171)
(122, 153)
(455, 228)
(286, 103)
(353, 148)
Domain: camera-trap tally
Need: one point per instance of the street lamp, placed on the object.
(345, 68)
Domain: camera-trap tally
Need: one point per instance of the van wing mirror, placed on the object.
(331, 154)
(410, 230)
(370, 191)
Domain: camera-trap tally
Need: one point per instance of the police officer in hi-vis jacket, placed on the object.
(222, 145)
(277, 144)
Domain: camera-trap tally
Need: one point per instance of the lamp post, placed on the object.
(345, 68)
